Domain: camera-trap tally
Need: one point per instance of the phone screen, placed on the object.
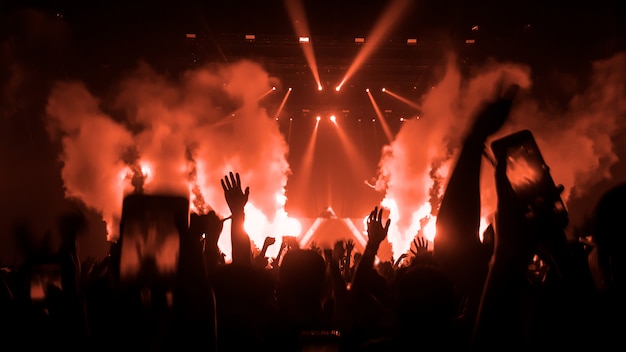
(151, 227)
(526, 169)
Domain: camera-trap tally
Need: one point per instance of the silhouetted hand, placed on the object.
(421, 246)
(349, 246)
(235, 197)
(376, 231)
(492, 115)
(339, 250)
(269, 241)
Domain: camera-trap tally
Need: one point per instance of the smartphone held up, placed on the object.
(529, 175)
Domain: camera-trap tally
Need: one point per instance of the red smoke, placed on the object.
(576, 143)
(193, 128)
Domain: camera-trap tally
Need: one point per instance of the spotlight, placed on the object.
(333, 118)
(318, 118)
(367, 90)
(290, 89)
(303, 39)
(273, 88)
(338, 88)
(320, 87)
(383, 90)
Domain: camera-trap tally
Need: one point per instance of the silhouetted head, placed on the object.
(301, 277)
(610, 235)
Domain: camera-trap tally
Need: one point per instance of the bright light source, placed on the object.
(290, 89)
(359, 40)
(190, 35)
(411, 41)
(320, 88)
(333, 118)
(383, 90)
(303, 39)
(273, 88)
(318, 118)
(475, 28)
(373, 120)
(367, 90)
(470, 41)
(338, 88)
(250, 37)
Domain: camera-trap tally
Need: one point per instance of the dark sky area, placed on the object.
(100, 42)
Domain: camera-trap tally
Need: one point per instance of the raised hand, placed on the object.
(349, 246)
(376, 231)
(261, 260)
(269, 241)
(235, 197)
(494, 114)
(421, 246)
(339, 250)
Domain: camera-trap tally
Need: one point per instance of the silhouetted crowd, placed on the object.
(527, 285)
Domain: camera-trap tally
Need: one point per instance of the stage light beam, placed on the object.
(295, 9)
(307, 159)
(282, 104)
(381, 117)
(390, 17)
(403, 99)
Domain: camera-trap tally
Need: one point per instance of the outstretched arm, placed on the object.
(237, 199)
(457, 246)
(376, 232)
(261, 260)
